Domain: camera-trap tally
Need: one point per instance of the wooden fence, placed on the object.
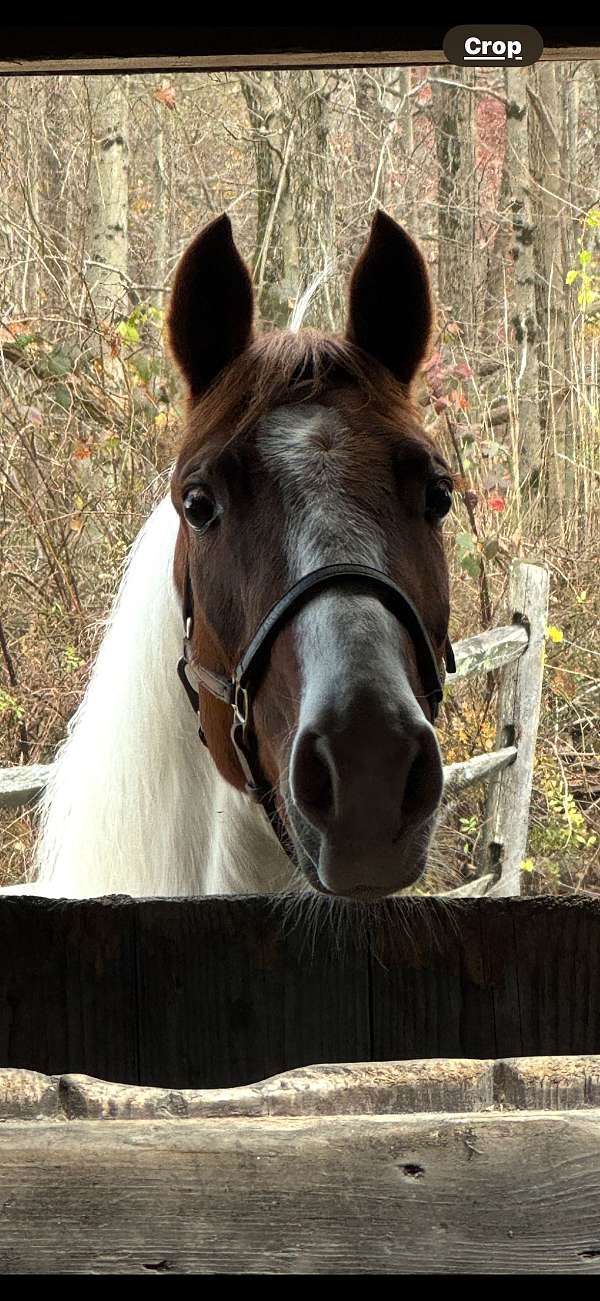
(515, 650)
(417, 1167)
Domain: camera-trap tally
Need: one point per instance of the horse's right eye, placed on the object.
(200, 509)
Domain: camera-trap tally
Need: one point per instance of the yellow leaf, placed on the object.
(554, 634)
(160, 420)
(527, 864)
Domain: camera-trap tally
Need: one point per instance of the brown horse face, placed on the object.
(306, 452)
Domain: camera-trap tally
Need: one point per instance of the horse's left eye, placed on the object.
(438, 498)
(200, 508)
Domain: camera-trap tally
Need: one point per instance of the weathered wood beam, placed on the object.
(457, 776)
(506, 826)
(482, 653)
(556, 1083)
(481, 1192)
(219, 992)
(489, 650)
(52, 49)
(20, 786)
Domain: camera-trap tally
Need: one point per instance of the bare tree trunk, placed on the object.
(296, 232)
(313, 190)
(384, 141)
(498, 261)
(55, 225)
(106, 243)
(523, 317)
(107, 214)
(595, 68)
(410, 213)
(455, 136)
(29, 142)
(161, 208)
(549, 241)
(276, 256)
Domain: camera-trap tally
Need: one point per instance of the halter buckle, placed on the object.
(241, 707)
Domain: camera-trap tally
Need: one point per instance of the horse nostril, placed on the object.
(423, 781)
(311, 779)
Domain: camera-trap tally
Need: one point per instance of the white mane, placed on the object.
(135, 804)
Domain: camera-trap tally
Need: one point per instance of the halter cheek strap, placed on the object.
(237, 691)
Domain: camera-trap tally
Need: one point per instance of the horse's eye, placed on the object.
(200, 508)
(438, 498)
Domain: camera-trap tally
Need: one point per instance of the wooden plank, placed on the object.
(443, 1194)
(29, 1095)
(558, 1083)
(266, 994)
(21, 785)
(506, 826)
(68, 987)
(343, 1088)
(457, 776)
(548, 1083)
(482, 653)
(430, 997)
(488, 978)
(487, 651)
(219, 992)
(33, 49)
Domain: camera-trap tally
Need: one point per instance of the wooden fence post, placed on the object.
(519, 699)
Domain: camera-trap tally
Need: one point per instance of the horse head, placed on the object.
(307, 487)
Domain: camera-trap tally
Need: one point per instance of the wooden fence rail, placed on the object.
(516, 651)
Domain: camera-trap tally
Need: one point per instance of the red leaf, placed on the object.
(496, 502)
(165, 94)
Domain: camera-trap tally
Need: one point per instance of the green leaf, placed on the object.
(584, 256)
(8, 705)
(471, 565)
(59, 362)
(465, 543)
(62, 396)
(128, 332)
(142, 363)
(571, 276)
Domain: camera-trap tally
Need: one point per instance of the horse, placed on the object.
(260, 716)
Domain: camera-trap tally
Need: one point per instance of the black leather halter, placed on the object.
(239, 689)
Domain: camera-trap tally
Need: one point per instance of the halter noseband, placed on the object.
(239, 689)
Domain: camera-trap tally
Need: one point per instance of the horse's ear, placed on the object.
(212, 304)
(391, 314)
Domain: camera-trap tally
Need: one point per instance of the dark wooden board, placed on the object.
(68, 985)
(444, 1194)
(218, 992)
(226, 996)
(57, 48)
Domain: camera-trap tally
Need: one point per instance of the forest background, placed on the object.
(104, 179)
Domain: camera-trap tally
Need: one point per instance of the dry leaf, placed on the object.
(165, 94)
